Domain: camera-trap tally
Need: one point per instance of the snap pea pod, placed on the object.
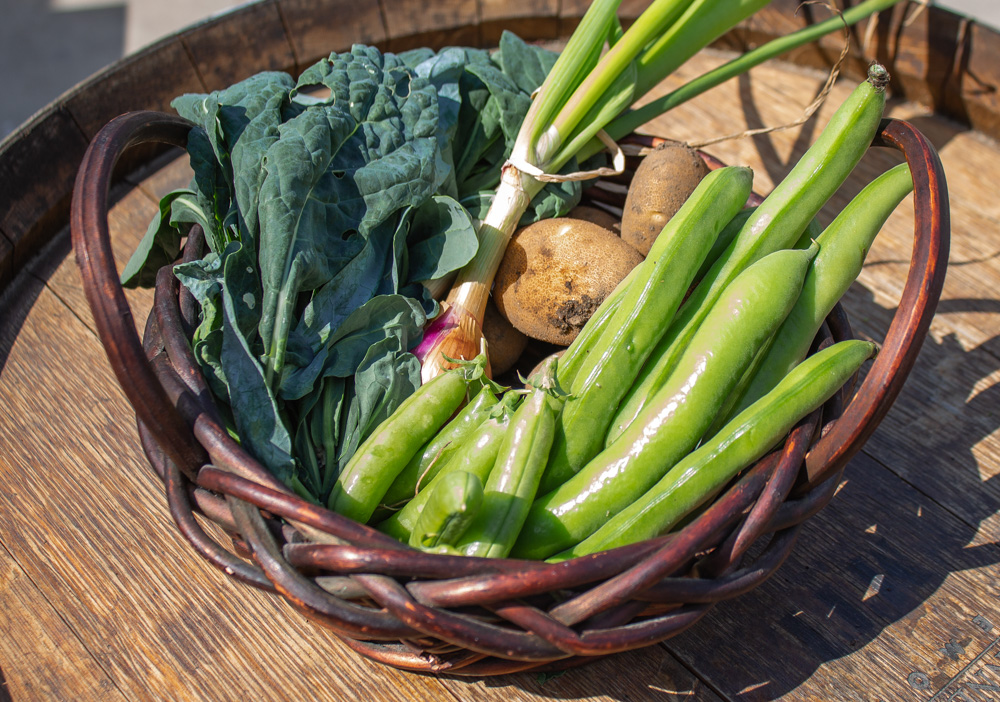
(428, 461)
(646, 309)
(777, 223)
(377, 462)
(843, 247)
(576, 353)
(449, 511)
(476, 455)
(741, 442)
(513, 482)
(673, 422)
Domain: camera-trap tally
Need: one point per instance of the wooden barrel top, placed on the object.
(891, 593)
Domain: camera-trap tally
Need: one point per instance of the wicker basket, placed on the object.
(472, 616)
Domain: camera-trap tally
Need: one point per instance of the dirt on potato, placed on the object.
(555, 273)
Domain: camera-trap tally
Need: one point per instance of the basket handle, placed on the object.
(910, 323)
(94, 256)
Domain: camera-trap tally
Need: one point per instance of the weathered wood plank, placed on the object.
(6, 261)
(979, 80)
(36, 176)
(218, 48)
(650, 674)
(318, 28)
(411, 23)
(173, 174)
(37, 647)
(127, 220)
(529, 20)
(147, 80)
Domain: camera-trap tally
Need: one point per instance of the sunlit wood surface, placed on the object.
(891, 593)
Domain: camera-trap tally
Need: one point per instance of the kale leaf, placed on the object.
(326, 201)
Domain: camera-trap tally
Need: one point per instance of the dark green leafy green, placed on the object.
(326, 201)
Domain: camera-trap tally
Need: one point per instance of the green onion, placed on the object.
(584, 93)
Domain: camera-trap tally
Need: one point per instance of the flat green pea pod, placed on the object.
(449, 511)
(843, 247)
(648, 305)
(723, 241)
(578, 351)
(741, 442)
(476, 455)
(777, 223)
(366, 477)
(426, 463)
(673, 422)
(513, 482)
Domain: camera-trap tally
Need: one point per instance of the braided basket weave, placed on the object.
(473, 616)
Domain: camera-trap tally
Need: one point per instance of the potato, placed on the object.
(662, 182)
(504, 343)
(555, 273)
(597, 216)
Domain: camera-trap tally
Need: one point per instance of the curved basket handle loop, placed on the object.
(928, 263)
(94, 256)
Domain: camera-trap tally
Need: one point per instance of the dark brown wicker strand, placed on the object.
(619, 600)
(166, 308)
(112, 314)
(929, 261)
(180, 509)
(462, 591)
(667, 560)
(194, 247)
(349, 559)
(463, 631)
(346, 618)
(728, 555)
(295, 508)
(738, 582)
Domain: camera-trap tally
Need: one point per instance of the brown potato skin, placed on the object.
(504, 343)
(597, 216)
(555, 273)
(663, 181)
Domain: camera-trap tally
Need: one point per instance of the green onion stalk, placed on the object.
(583, 94)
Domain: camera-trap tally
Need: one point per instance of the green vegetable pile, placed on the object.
(659, 403)
(339, 207)
(326, 201)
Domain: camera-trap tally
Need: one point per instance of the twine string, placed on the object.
(811, 108)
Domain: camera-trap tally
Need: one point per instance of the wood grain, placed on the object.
(530, 20)
(36, 174)
(6, 261)
(878, 583)
(149, 79)
(123, 577)
(217, 49)
(890, 594)
(410, 23)
(39, 647)
(318, 28)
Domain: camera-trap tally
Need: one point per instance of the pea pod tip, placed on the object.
(878, 76)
